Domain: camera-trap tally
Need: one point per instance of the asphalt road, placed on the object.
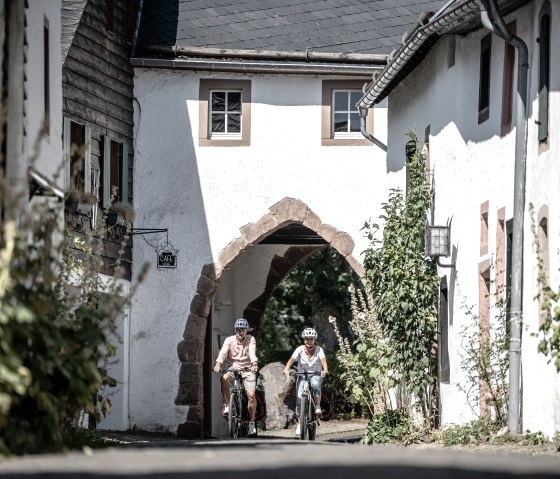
(277, 459)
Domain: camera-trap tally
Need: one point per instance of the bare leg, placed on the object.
(251, 404)
(224, 383)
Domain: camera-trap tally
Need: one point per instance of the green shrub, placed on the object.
(55, 326)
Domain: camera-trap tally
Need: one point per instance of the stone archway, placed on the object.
(191, 349)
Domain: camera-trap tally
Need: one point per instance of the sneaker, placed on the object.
(226, 409)
(252, 429)
(298, 430)
(318, 411)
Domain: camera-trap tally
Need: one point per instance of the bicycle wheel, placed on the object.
(303, 411)
(233, 417)
(311, 422)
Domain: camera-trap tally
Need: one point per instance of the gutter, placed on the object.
(309, 55)
(256, 66)
(496, 24)
(396, 62)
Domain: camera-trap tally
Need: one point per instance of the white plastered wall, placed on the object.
(472, 164)
(203, 195)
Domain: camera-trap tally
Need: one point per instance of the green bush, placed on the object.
(390, 426)
(55, 326)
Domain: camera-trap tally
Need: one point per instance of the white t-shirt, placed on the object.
(309, 364)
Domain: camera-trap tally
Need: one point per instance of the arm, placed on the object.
(325, 368)
(222, 356)
(253, 354)
(288, 366)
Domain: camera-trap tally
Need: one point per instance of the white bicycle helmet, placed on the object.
(309, 333)
(241, 323)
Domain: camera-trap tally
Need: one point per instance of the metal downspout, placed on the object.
(496, 24)
(367, 134)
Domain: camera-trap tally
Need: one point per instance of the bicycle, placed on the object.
(308, 420)
(238, 415)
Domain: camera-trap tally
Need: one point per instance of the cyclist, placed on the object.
(240, 351)
(310, 357)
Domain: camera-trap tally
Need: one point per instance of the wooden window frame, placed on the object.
(543, 115)
(204, 134)
(485, 76)
(328, 87)
(507, 84)
(68, 154)
(107, 162)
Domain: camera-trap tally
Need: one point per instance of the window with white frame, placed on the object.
(225, 114)
(340, 118)
(346, 119)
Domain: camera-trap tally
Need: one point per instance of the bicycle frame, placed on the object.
(238, 416)
(307, 418)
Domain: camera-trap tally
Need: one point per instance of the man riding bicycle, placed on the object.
(240, 351)
(311, 358)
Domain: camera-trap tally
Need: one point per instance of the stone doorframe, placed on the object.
(191, 349)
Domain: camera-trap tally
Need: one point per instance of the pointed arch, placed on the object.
(191, 349)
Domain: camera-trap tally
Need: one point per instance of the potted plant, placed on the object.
(78, 201)
(120, 213)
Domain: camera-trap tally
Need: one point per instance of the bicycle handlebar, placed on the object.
(232, 370)
(305, 373)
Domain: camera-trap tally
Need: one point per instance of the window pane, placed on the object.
(218, 123)
(219, 101)
(114, 170)
(354, 122)
(234, 101)
(340, 122)
(234, 123)
(354, 98)
(341, 101)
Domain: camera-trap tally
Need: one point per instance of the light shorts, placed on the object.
(249, 379)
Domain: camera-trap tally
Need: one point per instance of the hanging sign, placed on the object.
(166, 256)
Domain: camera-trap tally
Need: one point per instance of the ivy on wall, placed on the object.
(402, 281)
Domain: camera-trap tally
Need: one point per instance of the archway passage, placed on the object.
(288, 222)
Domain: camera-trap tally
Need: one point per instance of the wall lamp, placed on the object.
(438, 243)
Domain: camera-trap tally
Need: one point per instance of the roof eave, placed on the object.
(249, 65)
(422, 37)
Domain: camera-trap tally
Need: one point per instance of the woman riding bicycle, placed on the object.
(311, 358)
(240, 351)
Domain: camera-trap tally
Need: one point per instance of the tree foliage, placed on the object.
(56, 320)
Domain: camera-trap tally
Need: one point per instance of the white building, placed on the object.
(237, 156)
(456, 83)
(32, 119)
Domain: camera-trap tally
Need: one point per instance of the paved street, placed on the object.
(277, 458)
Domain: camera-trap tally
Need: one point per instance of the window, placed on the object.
(544, 262)
(77, 141)
(114, 172)
(340, 117)
(346, 119)
(224, 113)
(484, 207)
(451, 47)
(46, 75)
(507, 89)
(443, 330)
(484, 80)
(544, 73)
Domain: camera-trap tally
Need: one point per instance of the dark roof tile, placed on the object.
(334, 26)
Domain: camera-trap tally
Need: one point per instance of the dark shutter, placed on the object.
(544, 75)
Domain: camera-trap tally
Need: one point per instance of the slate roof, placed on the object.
(327, 26)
